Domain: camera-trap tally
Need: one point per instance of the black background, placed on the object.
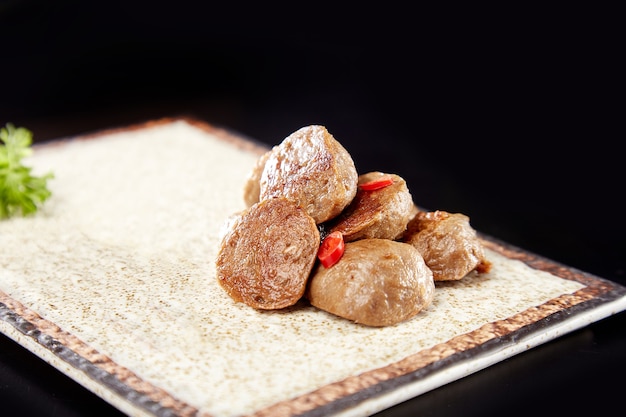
(512, 117)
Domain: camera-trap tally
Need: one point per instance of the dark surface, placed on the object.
(508, 121)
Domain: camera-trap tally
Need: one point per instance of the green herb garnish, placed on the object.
(20, 192)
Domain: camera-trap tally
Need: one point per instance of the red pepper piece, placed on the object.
(376, 184)
(331, 249)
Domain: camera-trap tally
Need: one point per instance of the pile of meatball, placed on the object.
(307, 187)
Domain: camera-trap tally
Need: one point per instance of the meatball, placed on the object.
(313, 169)
(448, 243)
(377, 282)
(383, 213)
(267, 254)
(252, 187)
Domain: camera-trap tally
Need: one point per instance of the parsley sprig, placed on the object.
(21, 193)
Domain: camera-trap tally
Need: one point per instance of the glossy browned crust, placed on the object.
(377, 214)
(448, 243)
(377, 282)
(265, 259)
(313, 169)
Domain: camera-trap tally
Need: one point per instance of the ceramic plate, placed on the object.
(113, 283)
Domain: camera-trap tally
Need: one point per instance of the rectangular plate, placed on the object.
(113, 283)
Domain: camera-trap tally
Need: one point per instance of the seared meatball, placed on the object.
(267, 254)
(377, 282)
(252, 187)
(382, 213)
(448, 243)
(313, 169)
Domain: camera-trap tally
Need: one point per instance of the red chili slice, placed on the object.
(376, 184)
(331, 249)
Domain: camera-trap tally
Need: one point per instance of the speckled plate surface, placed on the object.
(113, 283)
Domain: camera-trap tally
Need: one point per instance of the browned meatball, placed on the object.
(377, 282)
(383, 213)
(252, 187)
(266, 256)
(448, 243)
(313, 169)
